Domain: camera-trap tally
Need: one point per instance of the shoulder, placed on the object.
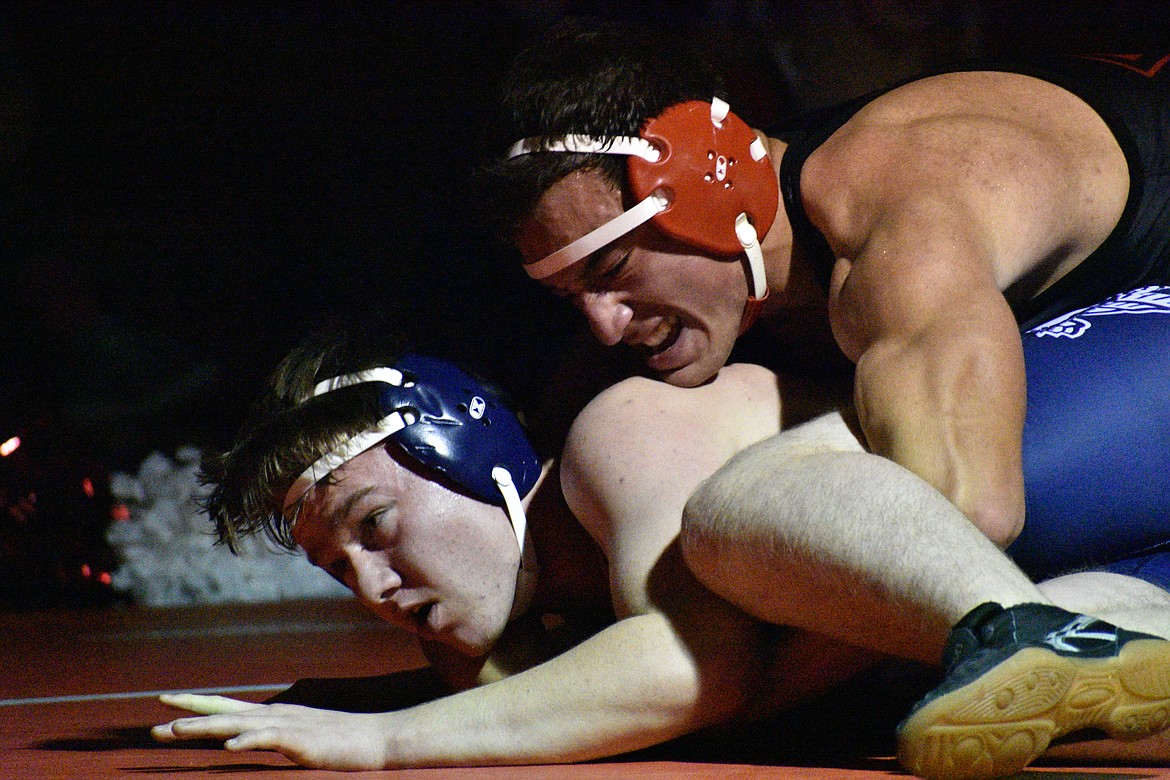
(740, 395)
(642, 440)
(732, 379)
(962, 180)
(954, 136)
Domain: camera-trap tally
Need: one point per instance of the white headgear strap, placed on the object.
(615, 228)
(644, 211)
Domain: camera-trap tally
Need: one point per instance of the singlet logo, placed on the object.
(477, 407)
(1144, 300)
(1145, 64)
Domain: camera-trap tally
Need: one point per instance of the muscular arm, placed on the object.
(940, 375)
(940, 196)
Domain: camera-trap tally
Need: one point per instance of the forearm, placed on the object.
(939, 386)
(633, 685)
(951, 410)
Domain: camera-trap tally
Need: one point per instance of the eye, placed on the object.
(376, 530)
(600, 281)
(615, 270)
(371, 523)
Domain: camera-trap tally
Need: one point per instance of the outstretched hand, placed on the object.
(322, 739)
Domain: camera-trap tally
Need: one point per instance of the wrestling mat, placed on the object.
(79, 691)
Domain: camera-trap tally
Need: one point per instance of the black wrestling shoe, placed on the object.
(1017, 678)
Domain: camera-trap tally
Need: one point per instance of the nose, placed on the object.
(607, 316)
(372, 579)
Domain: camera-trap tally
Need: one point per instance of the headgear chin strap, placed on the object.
(698, 172)
(448, 422)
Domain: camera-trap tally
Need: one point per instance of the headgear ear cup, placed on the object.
(710, 172)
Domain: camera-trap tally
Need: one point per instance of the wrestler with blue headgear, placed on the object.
(453, 427)
(372, 466)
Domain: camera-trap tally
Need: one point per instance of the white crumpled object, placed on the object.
(167, 552)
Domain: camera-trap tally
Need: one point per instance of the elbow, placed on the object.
(1001, 521)
(993, 501)
(1002, 531)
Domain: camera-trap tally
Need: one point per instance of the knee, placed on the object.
(704, 532)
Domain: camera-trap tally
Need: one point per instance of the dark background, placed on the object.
(191, 187)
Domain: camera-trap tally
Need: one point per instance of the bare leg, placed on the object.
(1124, 601)
(796, 531)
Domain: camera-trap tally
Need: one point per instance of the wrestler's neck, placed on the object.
(573, 573)
(793, 287)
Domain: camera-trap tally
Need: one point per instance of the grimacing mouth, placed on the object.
(419, 612)
(669, 335)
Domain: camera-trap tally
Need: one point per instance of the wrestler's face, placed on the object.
(680, 309)
(417, 554)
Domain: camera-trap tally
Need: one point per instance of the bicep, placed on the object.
(940, 375)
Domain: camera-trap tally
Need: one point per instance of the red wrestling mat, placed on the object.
(78, 695)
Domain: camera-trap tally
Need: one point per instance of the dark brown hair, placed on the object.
(285, 431)
(588, 77)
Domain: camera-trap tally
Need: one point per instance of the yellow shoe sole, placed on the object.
(1003, 720)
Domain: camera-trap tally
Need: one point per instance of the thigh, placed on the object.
(1097, 435)
(1132, 595)
(1107, 590)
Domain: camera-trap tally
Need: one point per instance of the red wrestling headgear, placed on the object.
(699, 174)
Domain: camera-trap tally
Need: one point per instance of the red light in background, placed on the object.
(104, 578)
(87, 487)
(120, 512)
(86, 571)
(9, 447)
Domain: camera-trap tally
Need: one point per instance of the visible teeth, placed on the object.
(668, 338)
(655, 344)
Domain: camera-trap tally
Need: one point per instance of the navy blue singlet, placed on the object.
(1097, 440)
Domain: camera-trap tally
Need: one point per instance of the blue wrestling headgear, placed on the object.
(447, 421)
